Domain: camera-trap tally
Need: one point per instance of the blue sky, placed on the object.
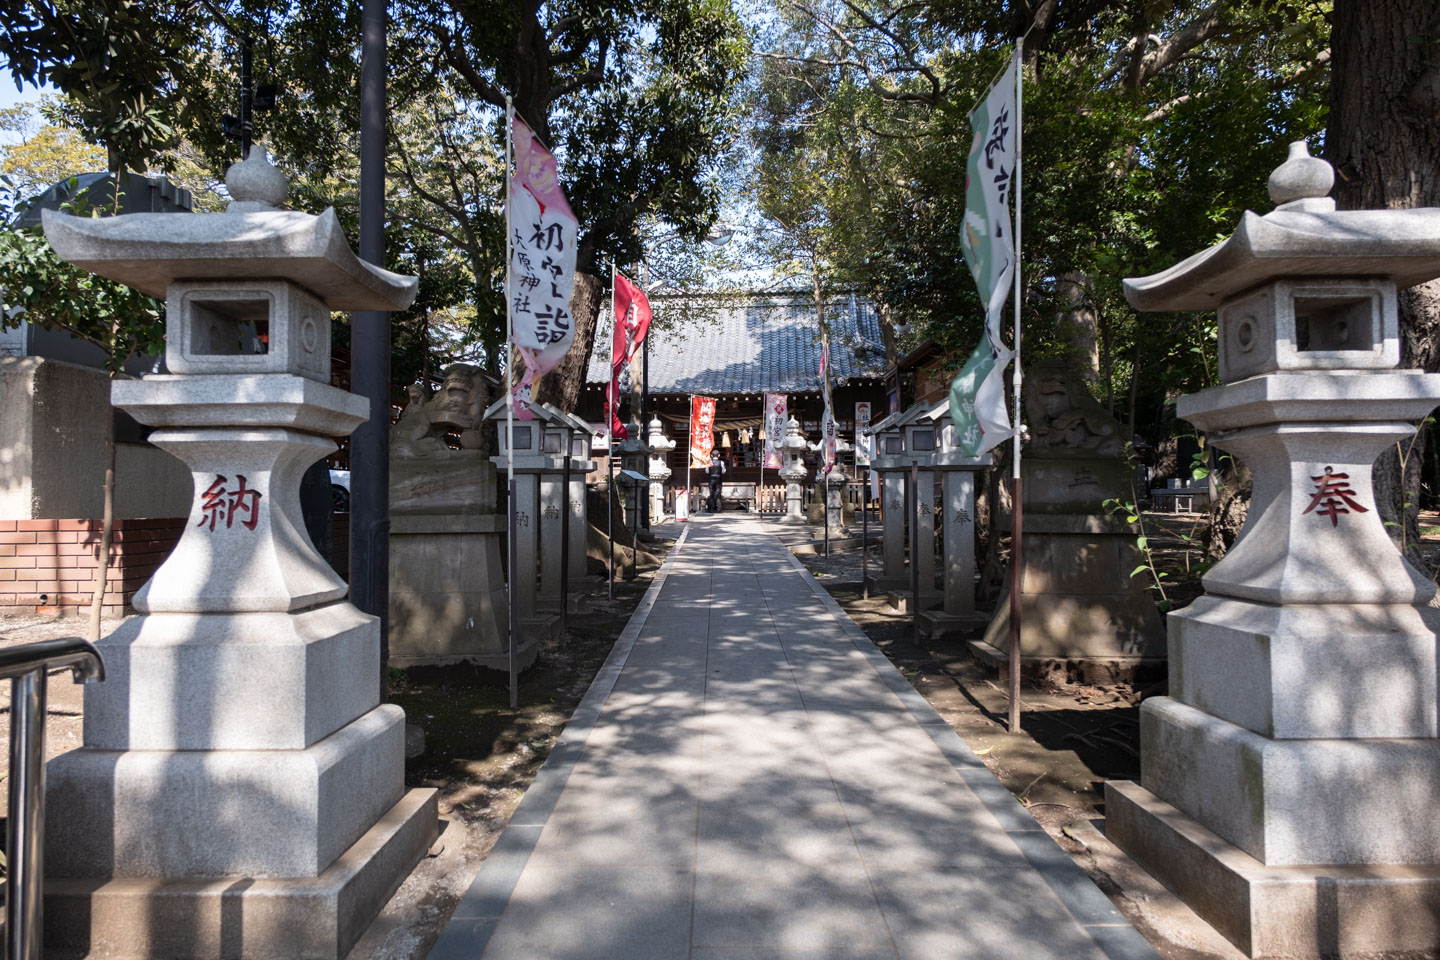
(9, 96)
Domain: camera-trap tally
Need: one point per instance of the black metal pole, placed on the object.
(610, 512)
(1016, 579)
(565, 538)
(512, 614)
(825, 490)
(865, 537)
(246, 98)
(913, 512)
(370, 352)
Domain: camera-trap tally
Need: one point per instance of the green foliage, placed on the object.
(1148, 130)
(41, 288)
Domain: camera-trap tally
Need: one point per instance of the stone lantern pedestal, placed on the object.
(957, 513)
(240, 790)
(526, 442)
(905, 450)
(1289, 781)
(561, 430)
(793, 472)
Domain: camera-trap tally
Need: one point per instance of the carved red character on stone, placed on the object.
(1333, 496)
(218, 503)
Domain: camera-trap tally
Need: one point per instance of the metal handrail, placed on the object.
(27, 666)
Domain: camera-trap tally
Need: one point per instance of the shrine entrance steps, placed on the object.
(749, 777)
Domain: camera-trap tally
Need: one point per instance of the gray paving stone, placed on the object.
(1123, 942)
(789, 906)
(565, 912)
(750, 779)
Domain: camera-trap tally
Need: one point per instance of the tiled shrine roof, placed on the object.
(751, 343)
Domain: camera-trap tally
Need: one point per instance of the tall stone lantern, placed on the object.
(905, 447)
(957, 518)
(240, 790)
(580, 433)
(634, 452)
(793, 471)
(834, 485)
(660, 447)
(1289, 782)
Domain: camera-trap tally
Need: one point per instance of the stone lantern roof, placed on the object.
(1305, 236)
(253, 239)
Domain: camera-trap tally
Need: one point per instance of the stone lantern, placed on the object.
(533, 465)
(241, 788)
(634, 452)
(906, 441)
(1289, 782)
(793, 471)
(566, 435)
(660, 447)
(580, 434)
(958, 519)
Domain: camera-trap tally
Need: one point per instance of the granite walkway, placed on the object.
(749, 777)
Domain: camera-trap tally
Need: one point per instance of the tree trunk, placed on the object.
(1384, 139)
(561, 386)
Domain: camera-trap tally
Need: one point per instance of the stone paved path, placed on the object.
(749, 777)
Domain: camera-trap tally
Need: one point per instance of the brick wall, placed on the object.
(48, 566)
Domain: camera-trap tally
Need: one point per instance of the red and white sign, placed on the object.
(864, 442)
(543, 233)
(702, 431)
(775, 404)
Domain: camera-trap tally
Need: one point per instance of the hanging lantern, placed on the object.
(725, 439)
(761, 434)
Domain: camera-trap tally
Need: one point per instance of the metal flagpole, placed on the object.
(611, 399)
(565, 538)
(1016, 509)
(510, 398)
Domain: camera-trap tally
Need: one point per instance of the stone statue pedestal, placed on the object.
(447, 584)
(1082, 613)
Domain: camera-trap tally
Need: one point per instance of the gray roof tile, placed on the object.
(762, 342)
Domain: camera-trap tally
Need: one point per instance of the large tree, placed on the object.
(1384, 140)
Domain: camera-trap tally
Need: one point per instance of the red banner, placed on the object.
(702, 431)
(632, 322)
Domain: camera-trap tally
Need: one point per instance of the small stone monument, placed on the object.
(241, 789)
(793, 471)
(958, 526)
(447, 584)
(660, 447)
(526, 441)
(1289, 782)
(1082, 612)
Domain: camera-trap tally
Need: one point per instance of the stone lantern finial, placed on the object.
(1303, 182)
(255, 183)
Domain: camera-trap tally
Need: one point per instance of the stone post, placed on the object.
(1288, 782)
(531, 464)
(240, 790)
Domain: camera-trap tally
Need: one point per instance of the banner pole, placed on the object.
(565, 539)
(512, 613)
(865, 537)
(1016, 499)
(610, 398)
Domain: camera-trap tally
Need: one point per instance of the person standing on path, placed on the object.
(716, 473)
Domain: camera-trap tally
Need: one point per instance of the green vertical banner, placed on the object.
(977, 397)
